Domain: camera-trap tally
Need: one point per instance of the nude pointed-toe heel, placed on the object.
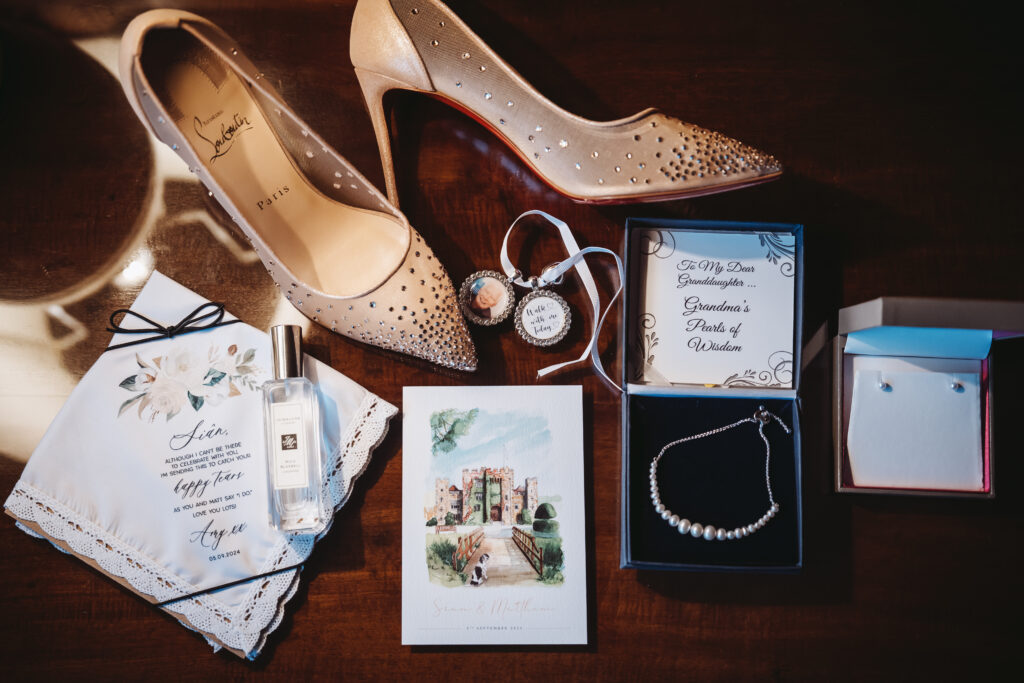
(340, 252)
(422, 46)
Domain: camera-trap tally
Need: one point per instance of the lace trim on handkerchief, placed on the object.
(245, 629)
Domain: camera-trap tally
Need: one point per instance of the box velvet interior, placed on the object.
(718, 479)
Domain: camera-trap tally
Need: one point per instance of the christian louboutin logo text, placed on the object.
(227, 132)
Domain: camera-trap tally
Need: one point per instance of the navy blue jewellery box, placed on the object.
(712, 331)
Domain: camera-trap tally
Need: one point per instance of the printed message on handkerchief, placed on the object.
(212, 466)
(714, 307)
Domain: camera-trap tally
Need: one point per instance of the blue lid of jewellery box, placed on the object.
(718, 479)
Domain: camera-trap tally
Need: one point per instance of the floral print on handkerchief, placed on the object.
(169, 383)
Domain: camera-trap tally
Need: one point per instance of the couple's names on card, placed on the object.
(500, 607)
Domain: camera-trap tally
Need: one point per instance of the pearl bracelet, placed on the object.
(708, 532)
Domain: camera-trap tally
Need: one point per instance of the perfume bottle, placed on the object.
(291, 415)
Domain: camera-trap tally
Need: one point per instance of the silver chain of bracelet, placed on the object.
(761, 417)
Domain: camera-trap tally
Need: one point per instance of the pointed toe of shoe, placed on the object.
(466, 360)
(415, 312)
(432, 326)
(654, 157)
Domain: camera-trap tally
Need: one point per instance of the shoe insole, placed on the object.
(330, 246)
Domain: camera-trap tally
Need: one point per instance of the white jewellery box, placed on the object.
(913, 394)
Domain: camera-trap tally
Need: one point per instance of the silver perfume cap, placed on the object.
(287, 342)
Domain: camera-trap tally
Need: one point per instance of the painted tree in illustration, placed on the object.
(447, 426)
(544, 519)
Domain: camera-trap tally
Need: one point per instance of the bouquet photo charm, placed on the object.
(291, 414)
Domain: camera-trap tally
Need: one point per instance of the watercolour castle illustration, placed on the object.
(486, 496)
(485, 528)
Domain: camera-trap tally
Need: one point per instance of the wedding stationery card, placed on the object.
(713, 307)
(493, 517)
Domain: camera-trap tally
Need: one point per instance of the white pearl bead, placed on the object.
(666, 513)
(673, 520)
(730, 535)
(751, 528)
(709, 533)
(660, 507)
(742, 531)
(775, 506)
(770, 513)
(721, 534)
(697, 529)
(684, 525)
(758, 524)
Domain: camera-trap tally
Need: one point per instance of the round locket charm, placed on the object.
(542, 318)
(486, 297)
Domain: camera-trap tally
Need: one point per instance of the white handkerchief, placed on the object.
(155, 471)
(916, 431)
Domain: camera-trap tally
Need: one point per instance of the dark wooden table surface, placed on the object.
(899, 130)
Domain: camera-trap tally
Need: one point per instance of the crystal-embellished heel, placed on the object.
(421, 45)
(338, 250)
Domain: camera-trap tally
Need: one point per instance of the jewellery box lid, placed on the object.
(665, 388)
(1002, 318)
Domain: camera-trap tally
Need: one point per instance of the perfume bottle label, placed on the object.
(289, 448)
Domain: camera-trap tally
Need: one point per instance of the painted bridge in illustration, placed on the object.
(513, 555)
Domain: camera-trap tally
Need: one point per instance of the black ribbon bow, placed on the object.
(204, 317)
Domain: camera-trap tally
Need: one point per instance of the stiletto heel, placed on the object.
(423, 46)
(374, 86)
(338, 250)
